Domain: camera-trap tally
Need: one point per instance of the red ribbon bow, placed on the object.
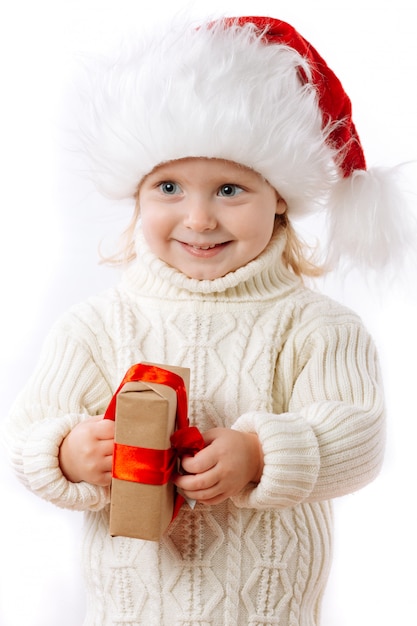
(146, 465)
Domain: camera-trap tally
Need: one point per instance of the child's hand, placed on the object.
(86, 454)
(230, 460)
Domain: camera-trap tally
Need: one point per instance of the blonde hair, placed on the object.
(297, 255)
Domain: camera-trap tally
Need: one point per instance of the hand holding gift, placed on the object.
(87, 451)
(230, 460)
(151, 434)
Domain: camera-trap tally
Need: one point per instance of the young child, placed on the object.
(222, 134)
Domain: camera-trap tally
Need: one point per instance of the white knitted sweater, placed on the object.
(267, 356)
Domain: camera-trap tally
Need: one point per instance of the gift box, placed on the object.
(151, 433)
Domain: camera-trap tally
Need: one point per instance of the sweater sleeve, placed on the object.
(330, 439)
(66, 387)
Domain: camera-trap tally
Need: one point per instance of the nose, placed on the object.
(200, 214)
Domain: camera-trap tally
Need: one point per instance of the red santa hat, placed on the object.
(254, 91)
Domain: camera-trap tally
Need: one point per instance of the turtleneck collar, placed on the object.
(264, 278)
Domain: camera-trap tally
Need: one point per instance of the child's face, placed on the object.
(207, 217)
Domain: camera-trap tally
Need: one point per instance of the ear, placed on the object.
(281, 206)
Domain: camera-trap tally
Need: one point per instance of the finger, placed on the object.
(197, 483)
(201, 462)
(107, 456)
(104, 430)
(216, 500)
(105, 447)
(206, 496)
(104, 479)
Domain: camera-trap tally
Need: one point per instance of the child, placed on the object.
(223, 134)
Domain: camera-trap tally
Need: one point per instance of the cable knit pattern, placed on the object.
(266, 356)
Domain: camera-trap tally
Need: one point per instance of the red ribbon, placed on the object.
(146, 465)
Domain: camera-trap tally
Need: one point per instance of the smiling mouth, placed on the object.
(204, 250)
(205, 247)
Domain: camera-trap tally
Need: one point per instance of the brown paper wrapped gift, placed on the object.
(145, 415)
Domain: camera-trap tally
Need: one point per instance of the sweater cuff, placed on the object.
(41, 472)
(291, 460)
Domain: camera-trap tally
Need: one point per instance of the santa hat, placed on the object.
(254, 91)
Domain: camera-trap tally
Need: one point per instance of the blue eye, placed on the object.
(229, 190)
(169, 188)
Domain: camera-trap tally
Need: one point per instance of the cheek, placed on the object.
(154, 224)
(151, 234)
(262, 230)
(261, 225)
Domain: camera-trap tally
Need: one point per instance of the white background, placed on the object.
(52, 223)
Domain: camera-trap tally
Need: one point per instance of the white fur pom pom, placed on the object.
(370, 225)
